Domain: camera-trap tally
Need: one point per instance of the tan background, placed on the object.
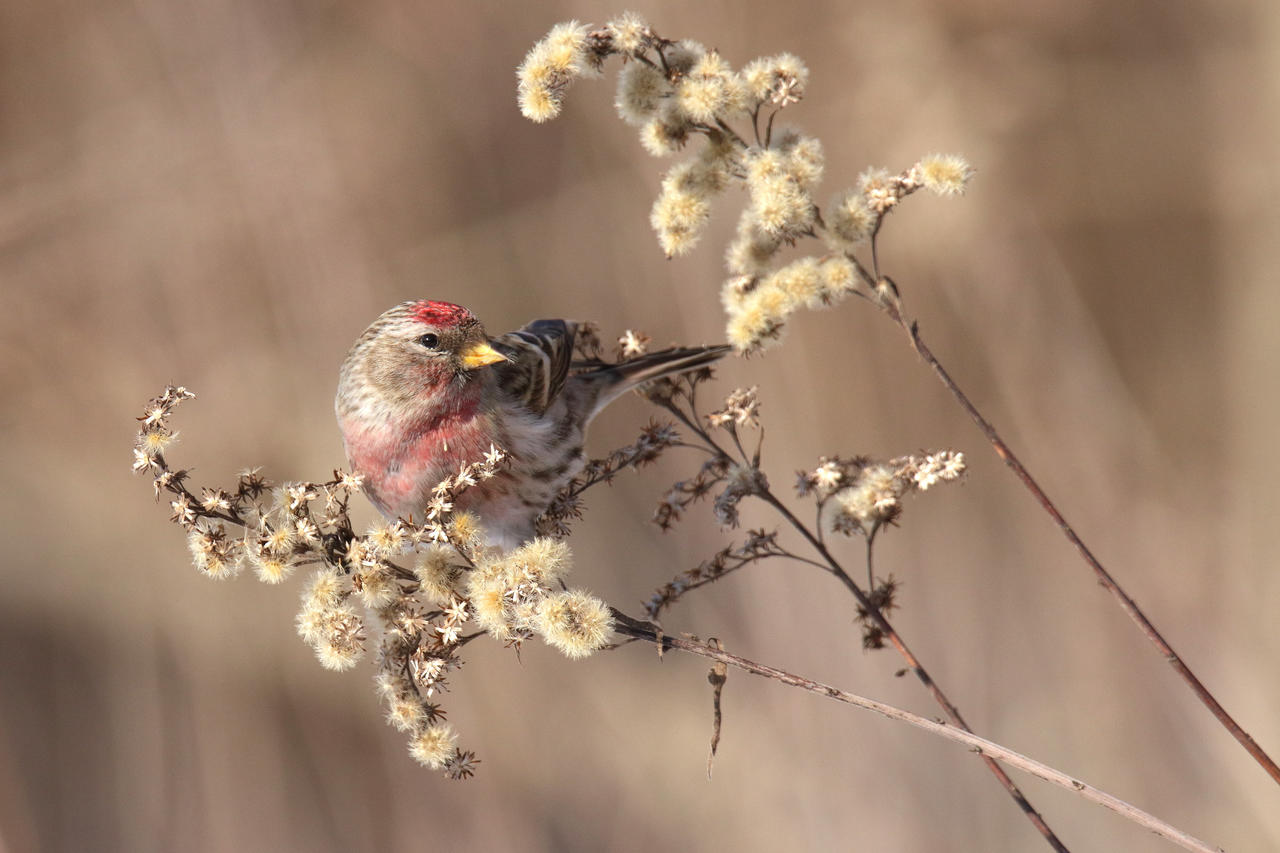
(223, 194)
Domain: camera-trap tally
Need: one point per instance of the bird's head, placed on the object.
(417, 350)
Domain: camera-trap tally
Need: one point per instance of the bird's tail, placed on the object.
(616, 379)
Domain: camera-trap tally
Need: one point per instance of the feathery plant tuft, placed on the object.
(681, 95)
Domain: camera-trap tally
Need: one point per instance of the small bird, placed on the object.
(425, 390)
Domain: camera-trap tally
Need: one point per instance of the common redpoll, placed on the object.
(424, 390)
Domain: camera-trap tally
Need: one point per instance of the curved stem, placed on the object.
(720, 123)
(990, 750)
(737, 442)
(915, 666)
(913, 663)
(875, 254)
(706, 450)
(834, 567)
(1104, 577)
(871, 575)
(690, 586)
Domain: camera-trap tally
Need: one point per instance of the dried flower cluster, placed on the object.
(758, 546)
(859, 495)
(674, 91)
(567, 506)
(270, 529)
(362, 592)
(741, 409)
(672, 506)
(515, 597)
(882, 597)
(565, 54)
(633, 344)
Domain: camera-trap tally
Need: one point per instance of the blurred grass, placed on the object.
(224, 194)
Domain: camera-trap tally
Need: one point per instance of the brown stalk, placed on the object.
(989, 750)
(921, 673)
(1104, 577)
(834, 567)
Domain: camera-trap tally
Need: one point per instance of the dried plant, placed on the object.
(416, 592)
(410, 589)
(679, 91)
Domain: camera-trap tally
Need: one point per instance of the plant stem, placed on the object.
(990, 750)
(833, 566)
(914, 664)
(1104, 577)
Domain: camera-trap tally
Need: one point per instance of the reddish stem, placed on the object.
(1104, 577)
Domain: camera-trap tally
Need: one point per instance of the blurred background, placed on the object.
(224, 193)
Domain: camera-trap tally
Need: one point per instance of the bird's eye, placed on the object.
(429, 341)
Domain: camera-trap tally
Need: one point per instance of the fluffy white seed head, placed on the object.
(434, 745)
(437, 575)
(849, 220)
(641, 91)
(778, 80)
(752, 250)
(682, 56)
(704, 92)
(667, 132)
(944, 174)
(630, 33)
(548, 69)
(574, 622)
(683, 205)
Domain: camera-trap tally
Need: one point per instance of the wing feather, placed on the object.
(540, 355)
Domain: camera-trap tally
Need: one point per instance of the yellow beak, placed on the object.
(478, 355)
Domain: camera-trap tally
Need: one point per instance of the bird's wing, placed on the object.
(539, 356)
(607, 383)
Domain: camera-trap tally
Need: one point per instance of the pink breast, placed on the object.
(401, 469)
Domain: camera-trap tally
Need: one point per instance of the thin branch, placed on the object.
(720, 123)
(875, 253)
(1104, 577)
(921, 673)
(988, 749)
(871, 574)
(737, 442)
(834, 567)
(716, 677)
(711, 571)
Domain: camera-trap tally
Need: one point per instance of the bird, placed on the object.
(424, 390)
